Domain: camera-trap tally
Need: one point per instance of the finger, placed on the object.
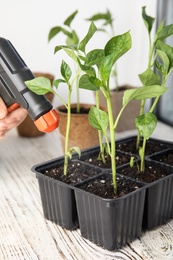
(3, 129)
(16, 117)
(3, 109)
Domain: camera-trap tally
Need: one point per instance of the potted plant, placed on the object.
(129, 114)
(75, 50)
(123, 224)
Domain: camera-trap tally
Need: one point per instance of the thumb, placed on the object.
(3, 109)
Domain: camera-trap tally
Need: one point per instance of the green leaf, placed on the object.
(58, 81)
(118, 45)
(86, 82)
(70, 50)
(168, 50)
(165, 32)
(164, 59)
(106, 66)
(101, 16)
(65, 48)
(65, 71)
(70, 18)
(148, 20)
(92, 29)
(55, 30)
(160, 27)
(160, 67)
(146, 124)
(114, 49)
(98, 119)
(149, 78)
(39, 85)
(88, 70)
(73, 149)
(73, 39)
(94, 57)
(143, 93)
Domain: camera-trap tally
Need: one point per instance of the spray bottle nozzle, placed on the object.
(48, 122)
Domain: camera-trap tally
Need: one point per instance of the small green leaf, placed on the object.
(73, 149)
(94, 57)
(98, 119)
(90, 71)
(58, 81)
(106, 66)
(164, 59)
(148, 20)
(160, 67)
(90, 83)
(143, 93)
(168, 50)
(160, 27)
(106, 17)
(39, 85)
(92, 29)
(114, 49)
(146, 124)
(70, 18)
(165, 32)
(65, 47)
(72, 39)
(118, 45)
(149, 78)
(65, 71)
(57, 29)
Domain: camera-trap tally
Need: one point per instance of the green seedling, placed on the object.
(146, 123)
(41, 86)
(102, 62)
(74, 48)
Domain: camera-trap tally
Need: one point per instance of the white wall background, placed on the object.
(26, 23)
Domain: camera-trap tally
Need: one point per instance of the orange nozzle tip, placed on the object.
(48, 122)
(13, 107)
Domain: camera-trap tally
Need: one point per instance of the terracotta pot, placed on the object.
(127, 120)
(82, 134)
(27, 128)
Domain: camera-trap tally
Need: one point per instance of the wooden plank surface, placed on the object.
(25, 234)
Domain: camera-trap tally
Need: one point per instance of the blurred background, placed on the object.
(27, 24)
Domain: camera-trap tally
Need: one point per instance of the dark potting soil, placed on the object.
(166, 158)
(151, 147)
(76, 173)
(103, 187)
(121, 158)
(83, 110)
(152, 172)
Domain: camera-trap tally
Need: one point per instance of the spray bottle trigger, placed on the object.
(12, 107)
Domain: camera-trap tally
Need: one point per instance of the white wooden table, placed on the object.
(25, 234)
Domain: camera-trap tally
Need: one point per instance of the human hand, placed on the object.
(10, 120)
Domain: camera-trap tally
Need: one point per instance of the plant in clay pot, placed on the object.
(27, 128)
(75, 50)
